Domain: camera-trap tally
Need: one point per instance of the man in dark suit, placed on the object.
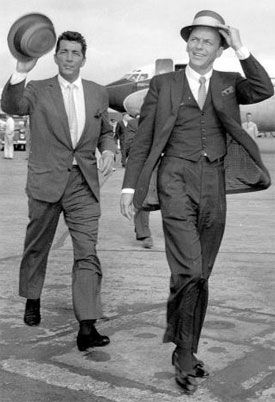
(190, 120)
(68, 120)
(141, 217)
(120, 134)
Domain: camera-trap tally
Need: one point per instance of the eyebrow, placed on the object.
(210, 40)
(73, 50)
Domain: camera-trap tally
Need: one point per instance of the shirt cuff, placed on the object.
(242, 53)
(127, 191)
(16, 78)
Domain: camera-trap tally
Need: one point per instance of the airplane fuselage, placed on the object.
(128, 95)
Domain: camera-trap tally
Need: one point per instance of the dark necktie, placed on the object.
(202, 92)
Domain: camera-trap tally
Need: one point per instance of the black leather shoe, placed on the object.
(32, 315)
(199, 369)
(147, 242)
(91, 340)
(187, 381)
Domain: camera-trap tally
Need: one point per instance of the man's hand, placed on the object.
(25, 66)
(231, 35)
(126, 205)
(106, 162)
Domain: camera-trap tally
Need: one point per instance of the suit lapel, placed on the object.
(59, 108)
(216, 87)
(91, 103)
(177, 86)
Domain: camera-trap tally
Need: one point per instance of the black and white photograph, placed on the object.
(137, 169)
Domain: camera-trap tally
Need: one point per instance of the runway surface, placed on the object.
(237, 344)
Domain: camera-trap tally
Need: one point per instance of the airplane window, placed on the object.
(143, 77)
(134, 77)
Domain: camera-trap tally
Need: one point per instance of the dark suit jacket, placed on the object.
(130, 133)
(52, 153)
(120, 132)
(243, 165)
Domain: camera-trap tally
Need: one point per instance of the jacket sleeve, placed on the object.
(256, 86)
(18, 99)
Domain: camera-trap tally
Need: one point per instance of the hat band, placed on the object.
(207, 21)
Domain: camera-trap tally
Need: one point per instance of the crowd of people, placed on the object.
(182, 129)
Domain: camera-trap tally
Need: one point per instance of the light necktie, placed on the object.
(202, 92)
(72, 117)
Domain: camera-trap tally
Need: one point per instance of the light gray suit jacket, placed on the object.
(52, 153)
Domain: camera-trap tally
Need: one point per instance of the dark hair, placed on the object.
(73, 37)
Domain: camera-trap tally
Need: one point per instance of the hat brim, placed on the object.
(29, 20)
(186, 31)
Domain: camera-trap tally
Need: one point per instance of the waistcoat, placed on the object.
(196, 132)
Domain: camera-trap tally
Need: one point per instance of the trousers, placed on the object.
(141, 221)
(193, 208)
(81, 212)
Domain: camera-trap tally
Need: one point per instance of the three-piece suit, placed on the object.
(55, 184)
(202, 155)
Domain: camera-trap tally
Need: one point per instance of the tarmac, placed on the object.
(237, 344)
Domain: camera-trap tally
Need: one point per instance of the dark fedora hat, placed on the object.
(31, 36)
(205, 18)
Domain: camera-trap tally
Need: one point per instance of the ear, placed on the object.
(83, 62)
(54, 57)
(220, 51)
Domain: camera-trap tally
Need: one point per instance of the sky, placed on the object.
(126, 34)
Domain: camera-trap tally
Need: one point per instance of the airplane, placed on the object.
(127, 94)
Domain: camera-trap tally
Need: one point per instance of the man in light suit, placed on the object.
(9, 135)
(190, 120)
(68, 120)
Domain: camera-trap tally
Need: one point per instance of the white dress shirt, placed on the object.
(79, 101)
(193, 80)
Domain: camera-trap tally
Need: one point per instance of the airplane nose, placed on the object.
(117, 94)
(133, 102)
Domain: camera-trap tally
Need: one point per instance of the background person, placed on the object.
(120, 132)
(187, 116)
(141, 217)
(250, 127)
(68, 120)
(8, 138)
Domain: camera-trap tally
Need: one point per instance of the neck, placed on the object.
(201, 70)
(69, 79)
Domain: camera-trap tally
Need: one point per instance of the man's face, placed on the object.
(69, 59)
(203, 47)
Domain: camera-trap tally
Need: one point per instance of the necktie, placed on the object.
(202, 92)
(72, 117)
